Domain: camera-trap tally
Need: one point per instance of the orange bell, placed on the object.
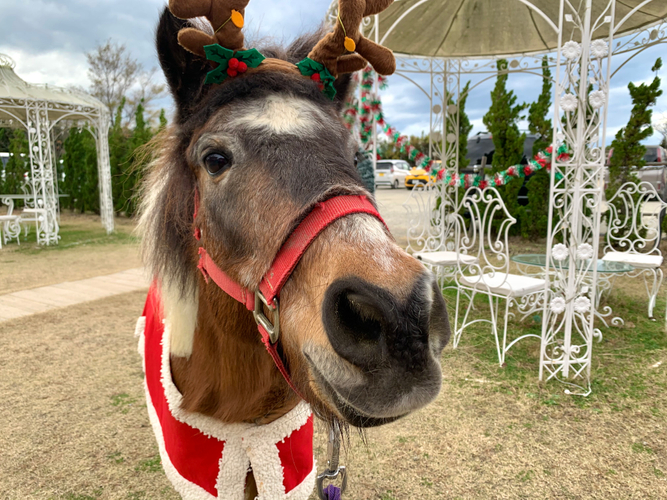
(350, 46)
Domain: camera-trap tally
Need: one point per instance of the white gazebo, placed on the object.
(440, 41)
(37, 109)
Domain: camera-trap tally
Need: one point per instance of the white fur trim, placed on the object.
(139, 334)
(233, 471)
(187, 489)
(181, 314)
(303, 491)
(140, 328)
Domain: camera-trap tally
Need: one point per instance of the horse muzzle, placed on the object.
(384, 360)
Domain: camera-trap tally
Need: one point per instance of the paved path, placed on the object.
(46, 298)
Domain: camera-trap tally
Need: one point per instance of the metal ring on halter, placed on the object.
(273, 329)
(333, 469)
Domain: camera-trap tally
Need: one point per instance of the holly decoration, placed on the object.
(230, 63)
(320, 75)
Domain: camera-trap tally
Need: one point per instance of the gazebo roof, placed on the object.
(15, 92)
(493, 28)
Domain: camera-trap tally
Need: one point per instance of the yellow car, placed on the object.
(416, 177)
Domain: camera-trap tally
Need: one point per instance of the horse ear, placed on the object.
(342, 86)
(185, 72)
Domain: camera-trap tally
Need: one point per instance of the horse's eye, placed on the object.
(216, 164)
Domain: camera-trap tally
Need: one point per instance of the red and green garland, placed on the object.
(542, 160)
(371, 107)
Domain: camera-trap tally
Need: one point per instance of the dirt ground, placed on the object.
(75, 427)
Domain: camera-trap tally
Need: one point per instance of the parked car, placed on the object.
(481, 144)
(391, 173)
(418, 176)
(654, 173)
(654, 154)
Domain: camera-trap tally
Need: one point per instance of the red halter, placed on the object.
(321, 216)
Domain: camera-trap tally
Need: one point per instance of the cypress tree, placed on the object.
(465, 127)
(628, 150)
(5, 135)
(538, 123)
(118, 145)
(501, 122)
(133, 168)
(79, 167)
(17, 164)
(535, 217)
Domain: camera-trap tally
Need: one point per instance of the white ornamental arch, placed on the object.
(37, 109)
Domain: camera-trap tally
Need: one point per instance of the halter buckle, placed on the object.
(273, 329)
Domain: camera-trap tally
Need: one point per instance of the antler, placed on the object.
(346, 50)
(226, 18)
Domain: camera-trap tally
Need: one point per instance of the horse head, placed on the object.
(362, 323)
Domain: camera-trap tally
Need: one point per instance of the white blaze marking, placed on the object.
(281, 114)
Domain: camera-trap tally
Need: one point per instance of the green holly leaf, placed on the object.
(220, 55)
(329, 90)
(308, 67)
(218, 75)
(252, 57)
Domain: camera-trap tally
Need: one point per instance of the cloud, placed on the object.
(48, 40)
(55, 67)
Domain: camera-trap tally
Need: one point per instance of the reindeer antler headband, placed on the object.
(345, 50)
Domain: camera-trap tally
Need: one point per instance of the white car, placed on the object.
(391, 173)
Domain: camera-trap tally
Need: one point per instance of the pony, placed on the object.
(362, 323)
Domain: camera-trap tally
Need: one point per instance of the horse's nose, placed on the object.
(371, 327)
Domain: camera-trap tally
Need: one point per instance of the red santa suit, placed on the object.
(205, 458)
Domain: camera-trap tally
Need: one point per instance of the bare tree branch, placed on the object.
(112, 71)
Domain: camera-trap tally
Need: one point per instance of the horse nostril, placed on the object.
(355, 316)
(370, 327)
(359, 317)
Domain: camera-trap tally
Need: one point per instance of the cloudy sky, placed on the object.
(48, 40)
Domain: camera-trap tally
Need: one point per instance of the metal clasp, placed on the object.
(273, 329)
(333, 468)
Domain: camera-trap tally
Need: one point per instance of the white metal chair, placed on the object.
(634, 233)
(10, 224)
(485, 237)
(433, 234)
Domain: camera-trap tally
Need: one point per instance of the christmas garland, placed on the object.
(371, 108)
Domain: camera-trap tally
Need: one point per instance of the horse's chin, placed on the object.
(369, 398)
(339, 407)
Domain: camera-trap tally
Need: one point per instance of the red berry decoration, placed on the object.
(316, 77)
(232, 72)
(234, 63)
(243, 67)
